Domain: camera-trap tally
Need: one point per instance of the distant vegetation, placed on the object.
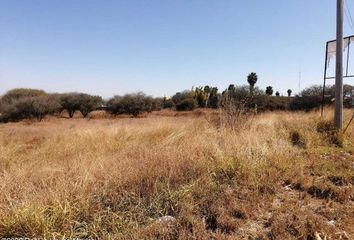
(18, 104)
(133, 104)
(84, 103)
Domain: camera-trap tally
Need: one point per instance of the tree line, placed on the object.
(21, 103)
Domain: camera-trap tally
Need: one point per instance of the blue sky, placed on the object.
(109, 47)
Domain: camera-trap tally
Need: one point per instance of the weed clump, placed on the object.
(297, 139)
(338, 180)
(292, 222)
(330, 133)
(317, 192)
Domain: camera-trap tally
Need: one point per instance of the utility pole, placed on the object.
(338, 113)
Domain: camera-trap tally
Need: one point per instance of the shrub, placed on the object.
(18, 93)
(69, 102)
(168, 103)
(5, 109)
(44, 105)
(314, 90)
(214, 98)
(181, 96)
(88, 103)
(85, 103)
(157, 104)
(186, 100)
(132, 104)
(238, 93)
(188, 104)
(23, 103)
(297, 139)
(241, 98)
(29, 107)
(307, 103)
(277, 103)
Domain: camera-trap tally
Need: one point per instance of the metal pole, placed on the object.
(324, 80)
(349, 123)
(346, 72)
(338, 113)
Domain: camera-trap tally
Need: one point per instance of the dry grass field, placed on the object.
(275, 176)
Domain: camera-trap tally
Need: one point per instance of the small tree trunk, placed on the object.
(40, 117)
(251, 89)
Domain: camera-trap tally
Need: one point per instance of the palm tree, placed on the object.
(269, 90)
(289, 92)
(252, 79)
(231, 88)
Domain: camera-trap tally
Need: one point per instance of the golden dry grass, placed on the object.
(113, 178)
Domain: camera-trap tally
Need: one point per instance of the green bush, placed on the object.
(188, 104)
(181, 96)
(132, 104)
(307, 103)
(18, 93)
(25, 103)
(157, 104)
(29, 107)
(277, 103)
(89, 103)
(168, 103)
(263, 101)
(85, 103)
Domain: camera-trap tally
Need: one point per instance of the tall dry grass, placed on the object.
(113, 178)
